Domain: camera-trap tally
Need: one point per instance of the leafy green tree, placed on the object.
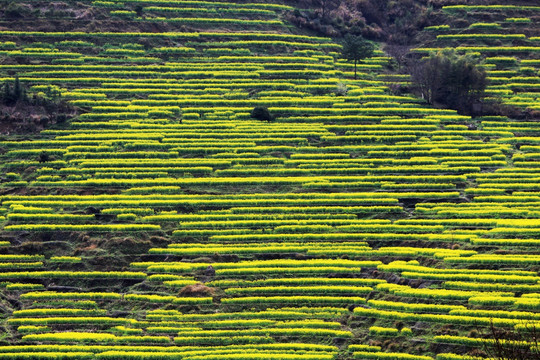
(17, 90)
(11, 95)
(356, 48)
(6, 96)
(453, 80)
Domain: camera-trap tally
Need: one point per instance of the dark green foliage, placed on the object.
(139, 10)
(356, 48)
(17, 11)
(44, 157)
(455, 81)
(262, 113)
(12, 94)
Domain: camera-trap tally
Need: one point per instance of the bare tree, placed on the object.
(427, 77)
(399, 52)
(325, 6)
(521, 343)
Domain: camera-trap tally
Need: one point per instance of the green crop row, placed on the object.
(265, 346)
(23, 265)
(461, 285)
(520, 49)
(413, 307)
(472, 277)
(48, 356)
(452, 8)
(497, 259)
(79, 320)
(73, 275)
(165, 35)
(286, 332)
(52, 295)
(211, 11)
(188, 74)
(49, 218)
(253, 216)
(382, 331)
(331, 237)
(439, 318)
(212, 4)
(314, 290)
(213, 21)
(295, 281)
(168, 299)
(481, 36)
(93, 337)
(290, 313)
(295, 300)
(24, 287)
(497, 314)
(56, 312)
(70, 227)
(401, 290)
(32, 258)
(413, 266)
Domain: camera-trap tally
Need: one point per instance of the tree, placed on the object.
(325, 6)
(6, 96)
(17, 90)
(522, 343)
(453, 80)
(399, 53)
(12, 95)
(356, 48)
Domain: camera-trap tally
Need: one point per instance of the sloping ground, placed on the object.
(507, 36)
(166, 223)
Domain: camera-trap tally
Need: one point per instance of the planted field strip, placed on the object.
(511, 79)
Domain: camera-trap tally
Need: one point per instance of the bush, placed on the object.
(17, 11)
(262, 113)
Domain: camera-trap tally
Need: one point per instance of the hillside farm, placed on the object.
(161, 218)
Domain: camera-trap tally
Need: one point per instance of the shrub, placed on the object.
(262, 113)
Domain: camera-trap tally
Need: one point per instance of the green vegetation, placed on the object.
(451, 79)
(356, 48)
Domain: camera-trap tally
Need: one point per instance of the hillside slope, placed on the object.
(166, 222)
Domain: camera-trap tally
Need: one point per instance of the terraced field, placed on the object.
(165, 222)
